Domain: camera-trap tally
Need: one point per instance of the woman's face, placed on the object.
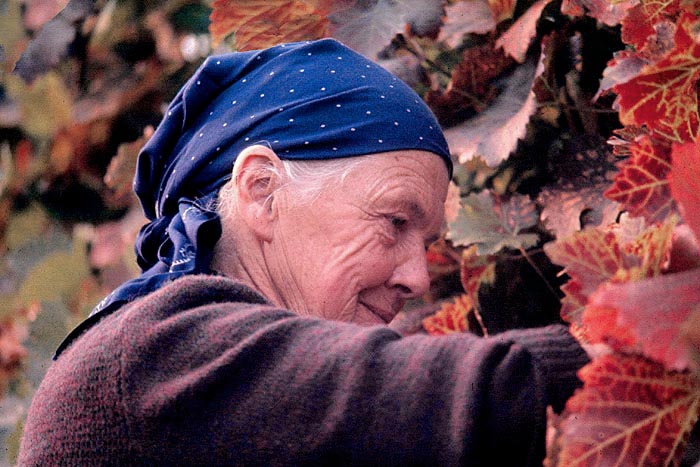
(357, 251)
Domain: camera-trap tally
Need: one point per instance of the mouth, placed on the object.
(386, 315)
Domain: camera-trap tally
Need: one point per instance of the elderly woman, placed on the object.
(292, 193)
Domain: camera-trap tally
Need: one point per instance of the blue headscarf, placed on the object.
(310, 100)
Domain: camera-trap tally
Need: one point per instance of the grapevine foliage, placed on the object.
(574, 125)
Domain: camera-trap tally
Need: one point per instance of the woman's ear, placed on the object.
(257, 175)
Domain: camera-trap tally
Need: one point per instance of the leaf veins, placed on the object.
(630, 412)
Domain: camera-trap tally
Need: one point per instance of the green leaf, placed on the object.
(56, 277)
(25, 226)
(493, 225)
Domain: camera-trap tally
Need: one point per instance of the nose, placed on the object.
(411, 274)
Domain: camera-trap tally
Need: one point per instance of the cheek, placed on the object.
(364, 260)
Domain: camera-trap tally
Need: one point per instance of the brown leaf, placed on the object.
(122, 168)
(466, 17)
(258, 24)
(471, 87)
(368, 27)
(494, 133)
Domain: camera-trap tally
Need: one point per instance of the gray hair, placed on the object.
(308, 178)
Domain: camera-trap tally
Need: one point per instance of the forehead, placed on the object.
(416, 179)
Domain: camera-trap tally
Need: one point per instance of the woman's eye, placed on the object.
(398, 222)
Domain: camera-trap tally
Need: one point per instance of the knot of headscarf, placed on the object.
(310, 100)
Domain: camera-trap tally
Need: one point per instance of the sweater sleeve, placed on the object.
(253, 385)
(205, 372)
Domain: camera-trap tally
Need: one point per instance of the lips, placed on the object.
(385, 314)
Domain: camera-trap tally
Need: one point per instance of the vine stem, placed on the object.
(539, 272)
(479, 319)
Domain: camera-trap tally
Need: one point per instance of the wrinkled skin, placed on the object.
(355, 253)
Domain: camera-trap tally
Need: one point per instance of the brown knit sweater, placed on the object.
(206, 372)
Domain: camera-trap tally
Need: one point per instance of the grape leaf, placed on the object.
(494, 225)
(567, 211)
(120, 172)
(258, 24)
(663, 96)
(630, 412)
(502, 9)
(368, 27)
(476, 270)
(684, 180)
(621, 252)
(466, 17)
(685, 250)
(450, 318)
(470, 86)
(639, 23)
(655, 310)
(13, 34)
(53, 42)
(25, 226)
(494, 134)
(64, 270)
(13, 331)
(605, 11)
(649, 253)
(39, 12)
(517, 39)
(592, 256)
(690, 333)
(624, 66)
(45, 104)
(589, 257)
(641, 185)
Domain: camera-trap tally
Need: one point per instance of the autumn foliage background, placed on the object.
(574, 125)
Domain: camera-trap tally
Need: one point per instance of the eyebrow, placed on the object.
(419, 213)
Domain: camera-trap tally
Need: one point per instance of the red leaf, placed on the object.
(630, 412)
(450, 318)
(639, 23)
(604, 11)
(624, 66)
(654, 310)
(664, 95)
(600, 324)
(641, 185)
(685, 182)
(592, 256)
(595, 256)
